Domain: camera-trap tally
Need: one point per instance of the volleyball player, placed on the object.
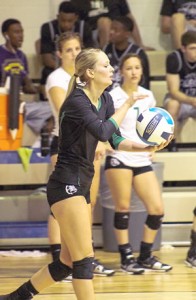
(125, 170)
(69, 45)
(86, 116)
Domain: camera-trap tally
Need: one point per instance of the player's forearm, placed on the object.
(121, 113)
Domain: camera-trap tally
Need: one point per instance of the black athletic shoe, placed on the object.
(132, 267)
(101, 270)
(191, 261)
(152, 263)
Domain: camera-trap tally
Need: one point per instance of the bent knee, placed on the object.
(58, 270)
(83, 269)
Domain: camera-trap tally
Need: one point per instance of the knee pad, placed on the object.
(154, 221)
(121, 220)
(194, 211)
(58, 270)
(83, 269)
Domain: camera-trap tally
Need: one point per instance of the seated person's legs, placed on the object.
(173, 107)
(103, 27)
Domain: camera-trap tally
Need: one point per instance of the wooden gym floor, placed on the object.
(178, 284)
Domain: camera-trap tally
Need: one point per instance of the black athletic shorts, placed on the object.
(120, 165)
(54, 145)
(57, 191)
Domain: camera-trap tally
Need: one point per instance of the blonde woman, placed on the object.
(69, 45)
(86, 117)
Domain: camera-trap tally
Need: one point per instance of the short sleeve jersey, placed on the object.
(177, 64)
(58, 78)
(50, 32)
(115, 57)
(12, 63)
(187, 7)
(82, 125)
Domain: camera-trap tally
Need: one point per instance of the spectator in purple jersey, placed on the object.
(12, 59)
(38, 116)
(178, 16)
(181, 81)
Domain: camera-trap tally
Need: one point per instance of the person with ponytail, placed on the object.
(69, 45)
(86, 117)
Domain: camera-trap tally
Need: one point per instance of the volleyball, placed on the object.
(154, 126)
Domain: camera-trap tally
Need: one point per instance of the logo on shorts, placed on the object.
(114, 162)
(70, 189)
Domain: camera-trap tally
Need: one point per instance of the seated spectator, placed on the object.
(120, 45)
(13, 60)
(67, 20)
(167, 10)
(99, 15)
(181, 80)
(178, 17)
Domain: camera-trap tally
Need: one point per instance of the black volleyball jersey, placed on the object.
(177, 64)
(115, 57)
(187, 7)
(82, 125)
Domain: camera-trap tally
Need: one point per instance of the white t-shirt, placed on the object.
(58, 78)
(128, 126)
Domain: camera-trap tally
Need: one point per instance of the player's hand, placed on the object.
(162, 145)
(134, 97)
(100, 151)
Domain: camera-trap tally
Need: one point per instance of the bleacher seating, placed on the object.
(35, 66)
(157, 64)
(159, 89)
(179, 195)
(158, 85)
(179, 201)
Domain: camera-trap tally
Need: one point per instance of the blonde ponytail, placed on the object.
(71, 86)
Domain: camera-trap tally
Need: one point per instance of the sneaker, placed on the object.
(152, 263)
(100, 270)
(68, 278)
(191, 261)
(132, 267)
